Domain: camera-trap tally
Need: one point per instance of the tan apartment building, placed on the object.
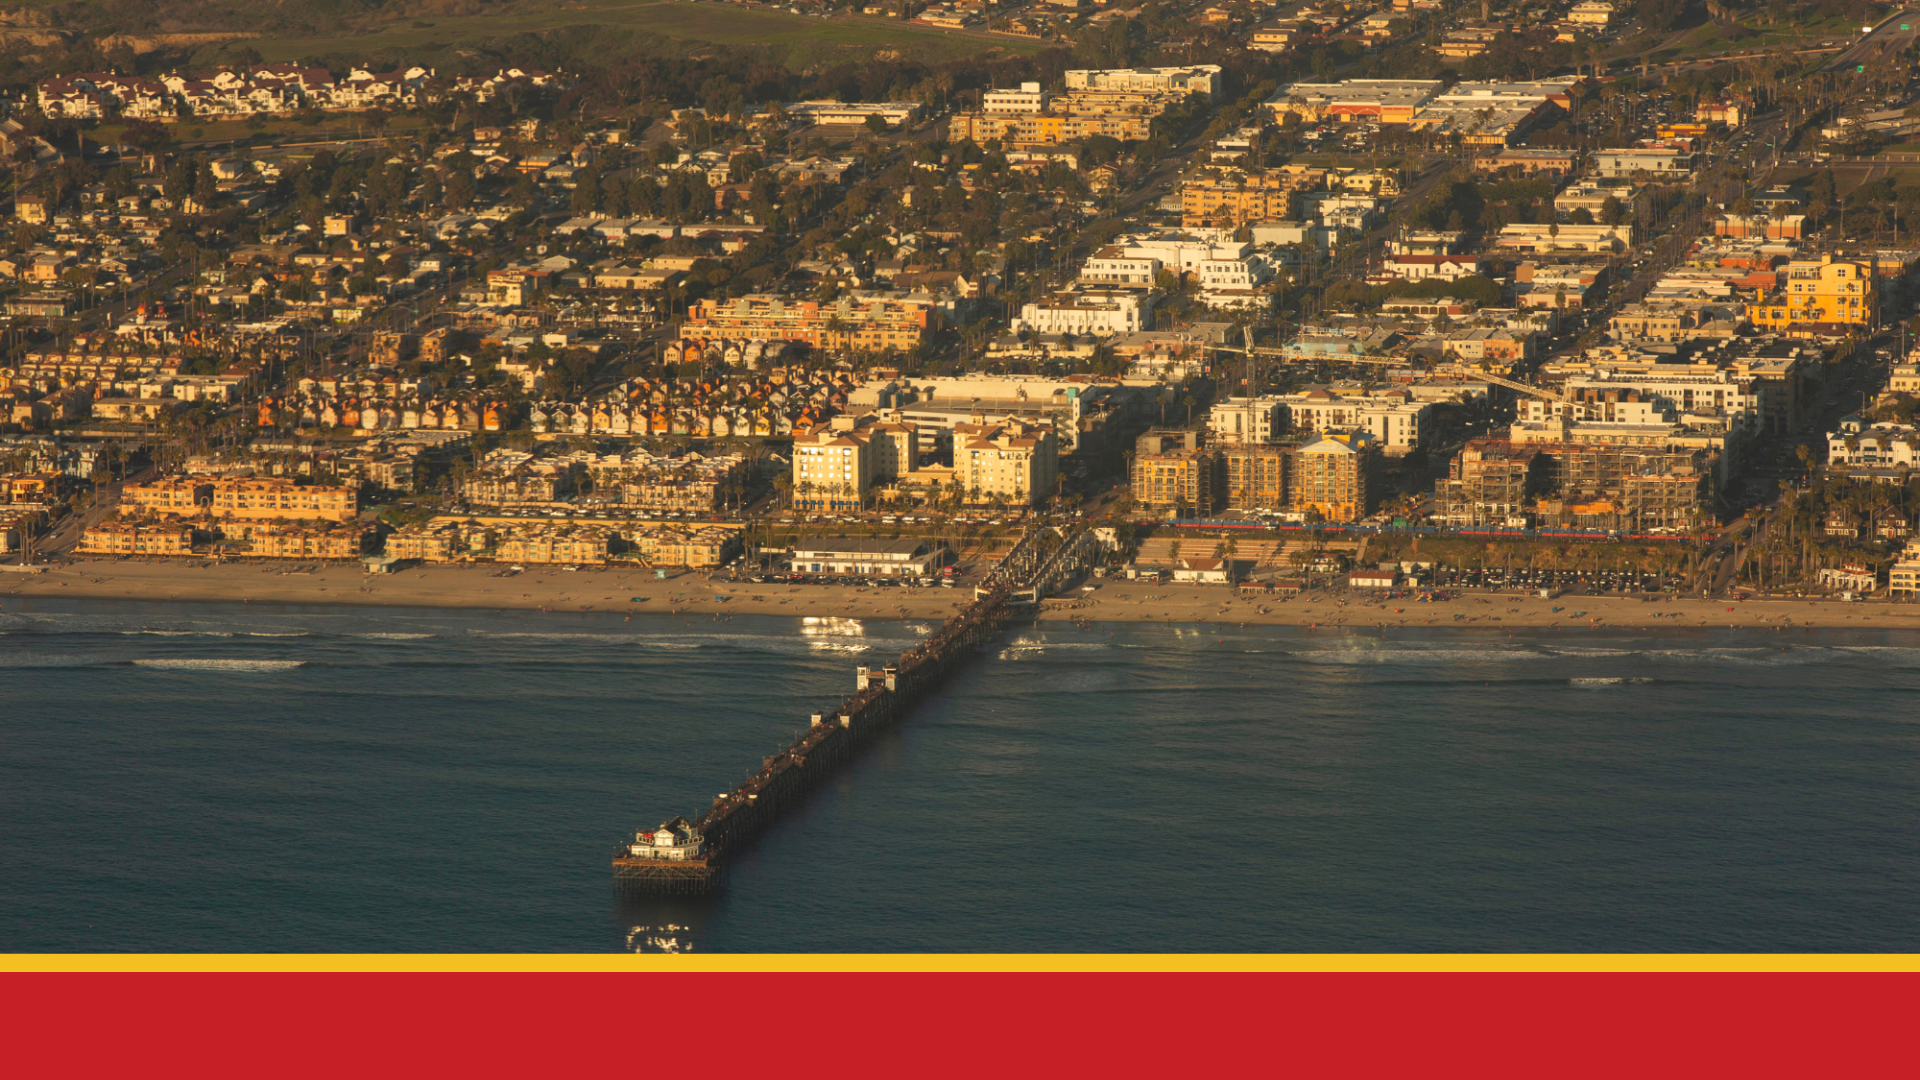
(1256, 476)
(264, 500)
(311, 542)
(833, 467)
(1334, 476)
(1174, 473)
(895, 445)
(698, 492)
(836, 464)
(1489, 482)
(847, 325)
(185, 497)
(1903, 578)
(1905, 378)
(1824, 296)
(1011, 460)
(1048, 128)
(1237, 198)
(119, 536)
(34, 487)
(426, 542)
(697, 548)
(570, 544)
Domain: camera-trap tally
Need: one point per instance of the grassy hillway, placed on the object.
(804, 38)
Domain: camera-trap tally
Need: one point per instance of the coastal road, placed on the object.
(1723, 558)
(65, 534)
(1883, 45)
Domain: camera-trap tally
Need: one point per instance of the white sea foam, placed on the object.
(554, 636)
(29, 660)
(829, 626)
(837, 646)
(394, 637)
(221, 664)
(1419, 656)
(1026, 646)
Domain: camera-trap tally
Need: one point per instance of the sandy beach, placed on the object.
(628, 591)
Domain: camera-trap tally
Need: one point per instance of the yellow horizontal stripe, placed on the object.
(986, 962)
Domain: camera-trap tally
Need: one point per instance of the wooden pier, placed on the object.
(882, 697)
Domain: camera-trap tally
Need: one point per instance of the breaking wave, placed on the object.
(221, 665)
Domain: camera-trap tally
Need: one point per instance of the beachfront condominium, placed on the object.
(245, 499)
(172, 496)
(121, 536)
(1335, 476)
(836, 464)
(1256, 476)
(1009, 460)
(265, 500)
(1174, 474)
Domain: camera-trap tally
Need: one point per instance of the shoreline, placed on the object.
(627, 592)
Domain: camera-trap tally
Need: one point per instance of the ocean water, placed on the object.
(247, 778)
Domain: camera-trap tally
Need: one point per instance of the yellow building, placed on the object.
(1822, 297)
(1010, 460)
(1905, 378)
(1277, 37)
(33, 487)
(698, 548)
(1256, 477)
(833, 466)
(119, 536)
(426, 542)
(848, 324)
(1237, 198)
(1334, 476)
(567, 544)
(310, 542)
(265, 500)
(1051, 128)
(1174, 474)
(168, 496)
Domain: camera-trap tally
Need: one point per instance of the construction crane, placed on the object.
(1283, 355)
(1514, 384)
(1251, 351)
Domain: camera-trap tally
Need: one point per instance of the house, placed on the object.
(1659, 163)
(1853, 577)
(1422, 267)
(887, 558)
(1204, 570)
(1373, 579)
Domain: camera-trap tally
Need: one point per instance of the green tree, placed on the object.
(459, 191)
